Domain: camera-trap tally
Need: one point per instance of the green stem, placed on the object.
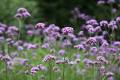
(50, 71)
(63, 74)
(6, 71)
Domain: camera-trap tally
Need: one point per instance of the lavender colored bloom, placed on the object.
(116, 43)
(49, 57)
(2, 29)
(91, 41)
(112, 25)
(23, 61)
(104, 43)
(45, 45)
(66, 43)
(32, 46)
(12, 31)
(77, 56)
(88, 62)
(118, 20)
(110, 78)
(102, 59)
(42, 67)
(98, 29)
(20, 48)
(2, 39)
(80, 47)
(71, 35)
(22, 13)
(67, 30)
(102, 70)
(109, 74)
(6, 58)
(81, 33)
(34, 70)
(94, 50)
(104, 23)
(92, 22)
(91, 30)
(30, 32)
(60, 61)
(88, 27)
(40, 26)
(61, 52)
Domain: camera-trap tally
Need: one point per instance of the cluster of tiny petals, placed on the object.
(92, 22)
(91, 41)
(37, 68)
(102, 59)
(102, 70)
(49, 57)
(118, 19)
(40, 26)
(113, 25)
(104, 23)
(22, 13)
(80, 47)
(67, 30)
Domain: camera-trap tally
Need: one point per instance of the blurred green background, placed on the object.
(55, 11)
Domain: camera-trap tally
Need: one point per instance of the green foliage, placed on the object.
(8, 9)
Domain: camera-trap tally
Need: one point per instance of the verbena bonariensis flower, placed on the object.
(60, 61)
(92, 22)
(81, 33)
(30, 32)
(34, 70)
(32, 46)
(45, 45)
(61, 52)
(91, 41)
(88, 62)
(71, 35)
(6, 58)
(42, 67)
(40, 26)
(80, 47)
(49, 57)
(91, 30)
(116, 43)
(66, 43)
(110, 75)
(67, 30)
(12, 31)
(20, 48)
(94, 50)
(113, 25)
(104, 23)
(98, 29)
(102, 59)
(22, 13)
(88, 26)
(102, 70)
(118, 20)
(2, 38)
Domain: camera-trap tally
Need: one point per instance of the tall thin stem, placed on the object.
(6, 71)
